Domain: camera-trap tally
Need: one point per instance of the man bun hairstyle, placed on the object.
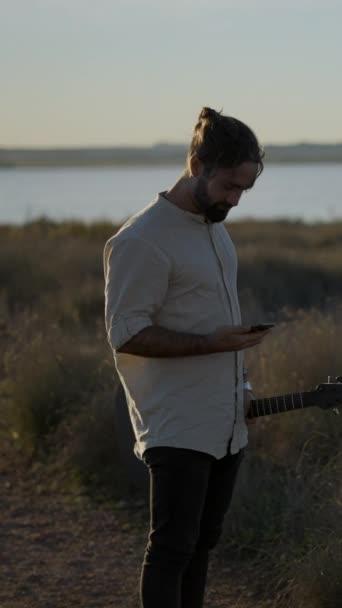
(223, 141)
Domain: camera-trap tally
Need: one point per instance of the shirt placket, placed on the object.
(233, 316)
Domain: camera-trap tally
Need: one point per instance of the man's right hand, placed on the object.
(236, 337)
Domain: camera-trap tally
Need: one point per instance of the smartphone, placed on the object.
(262, 327)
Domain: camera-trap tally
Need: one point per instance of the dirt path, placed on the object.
(59, 555)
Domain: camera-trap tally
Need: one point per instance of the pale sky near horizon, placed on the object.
(126, 72)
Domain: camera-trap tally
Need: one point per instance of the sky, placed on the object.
(138, 72)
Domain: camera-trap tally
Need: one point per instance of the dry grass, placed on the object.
(287, 515)
(58, 381)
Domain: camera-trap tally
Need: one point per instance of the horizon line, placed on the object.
(151, 146)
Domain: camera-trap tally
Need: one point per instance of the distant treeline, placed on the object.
(157, 154)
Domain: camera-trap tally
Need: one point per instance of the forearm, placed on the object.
(155, 341)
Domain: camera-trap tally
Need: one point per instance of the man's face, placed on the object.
(216, 194)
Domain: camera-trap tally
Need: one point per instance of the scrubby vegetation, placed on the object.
(285, 517)
(58, 383)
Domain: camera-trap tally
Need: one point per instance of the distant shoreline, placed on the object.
(157, 155)
(93, 165)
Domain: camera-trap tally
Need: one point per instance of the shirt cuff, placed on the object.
(124, 328)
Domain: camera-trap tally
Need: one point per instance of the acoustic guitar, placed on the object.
(327, 395)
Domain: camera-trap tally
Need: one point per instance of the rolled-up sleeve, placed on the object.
(136, 282)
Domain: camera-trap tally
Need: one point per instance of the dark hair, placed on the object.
(223, 141)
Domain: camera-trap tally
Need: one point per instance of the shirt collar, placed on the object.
(196, 217)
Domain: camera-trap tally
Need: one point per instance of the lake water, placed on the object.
(310, 192)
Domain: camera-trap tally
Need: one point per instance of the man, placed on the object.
(173, 322)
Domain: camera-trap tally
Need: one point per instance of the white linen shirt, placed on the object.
(169, 267)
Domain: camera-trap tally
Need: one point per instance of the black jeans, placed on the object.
(190, 492)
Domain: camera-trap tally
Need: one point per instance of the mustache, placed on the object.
(224, 205)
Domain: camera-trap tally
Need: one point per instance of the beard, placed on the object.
(213, 211)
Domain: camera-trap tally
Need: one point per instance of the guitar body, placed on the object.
(326, 396)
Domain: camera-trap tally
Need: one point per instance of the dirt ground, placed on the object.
(57, 553)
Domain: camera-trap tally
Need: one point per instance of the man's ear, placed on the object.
(196, 166)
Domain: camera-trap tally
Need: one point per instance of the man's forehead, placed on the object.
(244, 175)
